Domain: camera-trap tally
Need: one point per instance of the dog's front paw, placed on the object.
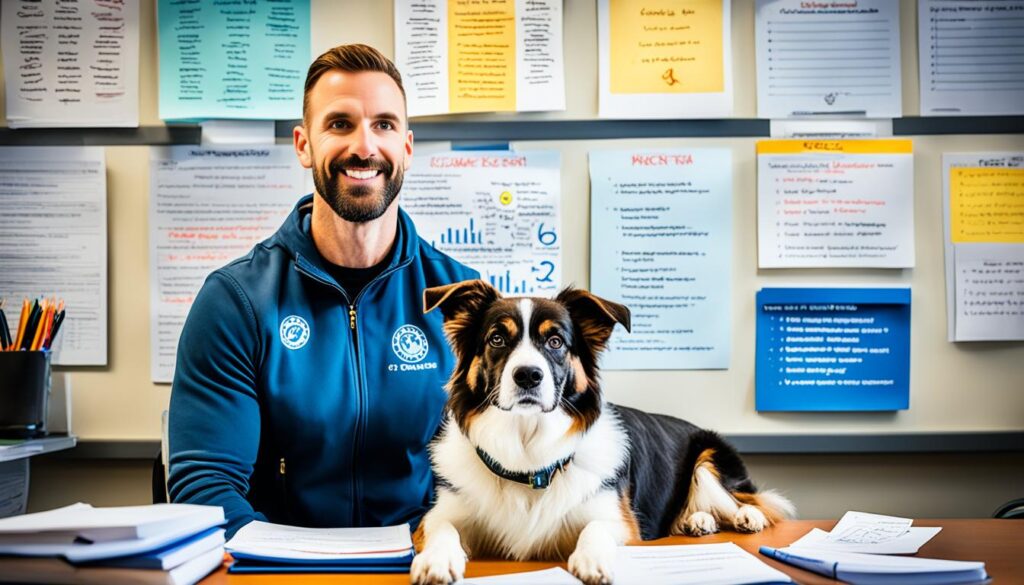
(749, 519)
(701, 523)
(438, 565)
(590, 568)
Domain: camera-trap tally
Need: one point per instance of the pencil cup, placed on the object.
(24, 392)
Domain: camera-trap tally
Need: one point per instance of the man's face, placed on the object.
(356, 142)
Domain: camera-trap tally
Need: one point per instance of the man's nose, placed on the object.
(364, 144)
(527, 377)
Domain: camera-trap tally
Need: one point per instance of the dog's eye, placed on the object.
(496, 340)
(555, 342)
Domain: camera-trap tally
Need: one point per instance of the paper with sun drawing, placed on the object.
(495, 211)
(661, 244)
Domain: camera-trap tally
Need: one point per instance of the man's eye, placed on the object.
(555, 342)
(339, 124)
(496, 341)
(385, 125)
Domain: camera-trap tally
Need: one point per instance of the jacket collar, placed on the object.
(295, 236)
(538, 480)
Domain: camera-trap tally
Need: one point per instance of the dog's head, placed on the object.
(524, 355)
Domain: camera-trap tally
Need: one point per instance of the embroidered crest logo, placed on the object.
(409, 343)
(294, 332)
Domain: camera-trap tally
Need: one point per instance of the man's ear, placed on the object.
(466, 297)
(593, 316)
(300, 140)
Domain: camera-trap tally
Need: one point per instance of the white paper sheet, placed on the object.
(674, 49)
(71, 63)
(206, 208)
(970, 57)
(53, 242)
(661, 241)
(294, 542)
(455, 57)
(552, 576)
(906, 544)
(816, 59)
(495, 211)
(832, 205)
(984, 297)
(698, 564)
(866, 528)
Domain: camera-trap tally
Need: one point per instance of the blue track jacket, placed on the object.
(294, 404)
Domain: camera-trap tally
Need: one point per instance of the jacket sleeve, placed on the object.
(214, 426)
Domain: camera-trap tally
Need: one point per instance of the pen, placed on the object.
(826, 568)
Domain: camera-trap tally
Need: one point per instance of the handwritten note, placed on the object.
(835, 203)
(826, 58)
(498, 212)
(53, 242)
(461, 56)
(664, 58)
(987, 205)
(661, 244)
(233, 59)
(208, 207)
(970, 57)
(71, 63)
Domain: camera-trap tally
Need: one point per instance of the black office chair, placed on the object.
(159, 483)
(1012, 510)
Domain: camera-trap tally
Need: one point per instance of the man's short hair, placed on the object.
(354, 58)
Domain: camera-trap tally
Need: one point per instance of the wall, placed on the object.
(964, 387)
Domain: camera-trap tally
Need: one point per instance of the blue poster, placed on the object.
(833, 349)
(661, 244)
(234, 60)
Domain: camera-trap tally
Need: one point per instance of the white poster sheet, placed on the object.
(970, 57)
(661, 244)
(835, 204)
(208, 206)
(498, 212)
(664, 59)
(983, 227)
(53, 242)
(459, 56)
(71, 63)
(821, 59)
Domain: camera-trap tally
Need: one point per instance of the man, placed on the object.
(308, 380)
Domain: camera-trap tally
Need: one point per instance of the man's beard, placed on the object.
(358, 203)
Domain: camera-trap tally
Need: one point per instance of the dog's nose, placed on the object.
(527, 376)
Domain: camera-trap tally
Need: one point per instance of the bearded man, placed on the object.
(308, 380)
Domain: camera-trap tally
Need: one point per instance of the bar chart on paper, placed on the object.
(497, 212)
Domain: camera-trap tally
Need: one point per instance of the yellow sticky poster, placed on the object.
(482, 55)
(986, 204)
(666, 46)
(869, 146)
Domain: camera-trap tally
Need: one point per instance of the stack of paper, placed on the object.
(864, 569)
(176, 544)
(262, 547)
(861, 532)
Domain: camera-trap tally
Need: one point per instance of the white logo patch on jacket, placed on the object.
(294, 332)
(409, 343)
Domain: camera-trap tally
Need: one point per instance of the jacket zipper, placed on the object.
(282, 469)
(360, 385)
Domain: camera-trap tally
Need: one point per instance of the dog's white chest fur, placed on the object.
(513, 520)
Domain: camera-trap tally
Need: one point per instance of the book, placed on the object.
(265, 547)
(867, 569)
(170, 556)
(54, 570)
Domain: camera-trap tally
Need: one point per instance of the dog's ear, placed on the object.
(594, 317)
(461, 298)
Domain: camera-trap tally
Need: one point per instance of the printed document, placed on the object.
(552, 576)
(71, 63)
(207, 207)
(869, 533)
(697, 564)
(460, 56)
(53, 242)
(263, 539)
(498, 212)
(835, 204)
(664, 59)
(233, 60)
(983, 204)
(823, 59)
(661, 243)
(970, 58)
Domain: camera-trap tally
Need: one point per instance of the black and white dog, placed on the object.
(531, 463)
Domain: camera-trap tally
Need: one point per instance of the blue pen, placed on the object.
(819, 566)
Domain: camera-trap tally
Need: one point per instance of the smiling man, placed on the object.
(308, 380)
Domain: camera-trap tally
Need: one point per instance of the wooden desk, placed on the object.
(1000, 543)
